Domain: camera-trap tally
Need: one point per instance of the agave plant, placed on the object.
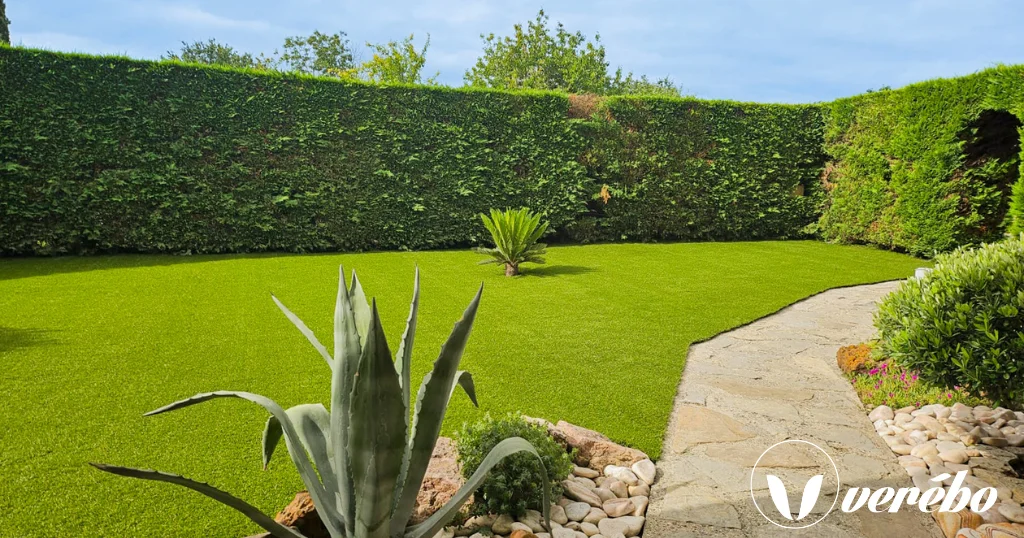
(515, 233)
(363, 461)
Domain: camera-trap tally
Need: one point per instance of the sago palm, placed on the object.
(515, 233)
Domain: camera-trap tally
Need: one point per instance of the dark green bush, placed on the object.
(516, 484)
(963, 324)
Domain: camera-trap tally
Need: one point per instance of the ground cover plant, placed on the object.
(598, 337)
(887, 383)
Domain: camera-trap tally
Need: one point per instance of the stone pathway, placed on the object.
(773, 380)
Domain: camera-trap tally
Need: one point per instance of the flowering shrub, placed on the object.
(897, 387)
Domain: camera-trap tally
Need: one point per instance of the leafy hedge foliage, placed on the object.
(102, 154)
(516, 484)
(900, 175)
(701, 170)
(963, 324)
(105, 154)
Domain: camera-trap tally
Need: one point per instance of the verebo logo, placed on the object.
(880, 500)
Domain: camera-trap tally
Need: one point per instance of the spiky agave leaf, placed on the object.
(376, 434)
(347, 350)
(304, 330)
(431, 405)
(322, 498)
(502, 450)
(313, 424)
(250, 511)
(404, 356)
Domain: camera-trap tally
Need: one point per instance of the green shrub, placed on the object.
(514, 485)
(1015, 216)
(962, 325)
(515, 233)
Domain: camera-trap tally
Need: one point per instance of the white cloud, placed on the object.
(197, 17)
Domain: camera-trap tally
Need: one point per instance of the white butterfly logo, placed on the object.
(781, 498)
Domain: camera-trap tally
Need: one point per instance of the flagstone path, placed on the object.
(773, 380)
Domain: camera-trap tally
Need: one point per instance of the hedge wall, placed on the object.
(107, 154)
(701, 170)
(112, 154)
(919, 169)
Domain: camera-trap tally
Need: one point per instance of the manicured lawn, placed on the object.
(598, 337)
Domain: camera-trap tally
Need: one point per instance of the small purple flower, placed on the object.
(873, 371)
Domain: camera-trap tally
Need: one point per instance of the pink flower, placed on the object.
(873, 371)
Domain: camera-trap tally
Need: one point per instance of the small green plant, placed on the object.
(962, 325)
(515, 484)
(895, 386)
(515, 233)
(363, 461)
(1015, 214)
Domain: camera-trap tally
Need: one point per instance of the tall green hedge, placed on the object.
(899, 174)
(107, 154)
(112, 154)
(701, 170)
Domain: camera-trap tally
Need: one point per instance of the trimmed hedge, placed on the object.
(108, 154)
(900, 175)
(113, 154)
(686, 169)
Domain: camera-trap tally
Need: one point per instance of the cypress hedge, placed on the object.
(109, 154)
(112, 154)
(928, 167)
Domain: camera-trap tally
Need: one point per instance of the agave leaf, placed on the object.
(360, 306)
(313, 423)
(464, 379)
(377, 434)
(304, 330)
(500, 451)
(250, 511)
(431, 404)
(404, 356)
(329, 513)
(347, 350)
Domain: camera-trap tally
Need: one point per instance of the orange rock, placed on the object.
(951, 522)
(854, 358)
(1001, 530)
(522, 534)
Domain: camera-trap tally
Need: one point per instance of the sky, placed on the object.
(789, 51)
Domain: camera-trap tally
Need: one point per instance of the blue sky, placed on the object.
(749, 50)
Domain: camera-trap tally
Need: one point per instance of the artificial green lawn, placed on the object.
(597, 337)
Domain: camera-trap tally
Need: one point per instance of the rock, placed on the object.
(593, 449)
(618, 507)
(923, 450)
(992, 515)
(517, 526)
(522, 534)
(954, 456)
(645, 471)
(585, 472)
(882, 412)
(577, 511)
(620, 489)
(854, 358)
(626, 525)
(578, 492)
(558, 515)
(1011, 511)
(589, 529)
(476, 522)
(1001, 530)
(901, 449)
(606, 494)
(446, 532)
(301, 514)
(441, 481)
(641, 505)
(503, 524)
(563, 533)
(595, 515)
(533, 519)
(642, 490)
(622, 474)
(998, 442)
(587, 483)
(951, 522)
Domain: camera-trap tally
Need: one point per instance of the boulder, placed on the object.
(301, 514)
(593, 449)
(442, 481)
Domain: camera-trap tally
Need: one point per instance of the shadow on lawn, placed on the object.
(557, 270)
(12, 339)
